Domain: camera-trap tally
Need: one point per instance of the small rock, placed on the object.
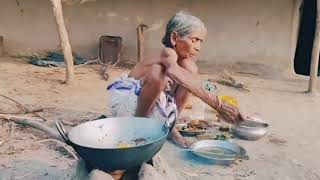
(99, 175)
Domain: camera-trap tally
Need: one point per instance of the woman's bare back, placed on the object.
(142, 69)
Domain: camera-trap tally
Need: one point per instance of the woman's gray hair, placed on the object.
(184, 24)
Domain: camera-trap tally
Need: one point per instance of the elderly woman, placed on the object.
(159, 88)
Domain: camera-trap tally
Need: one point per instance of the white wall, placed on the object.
(256, 31)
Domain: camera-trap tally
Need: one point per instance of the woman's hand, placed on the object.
(229, 113)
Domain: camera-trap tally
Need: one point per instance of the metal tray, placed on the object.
(190, 133)
(228, 151)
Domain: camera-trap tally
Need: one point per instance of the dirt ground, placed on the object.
(288, 152)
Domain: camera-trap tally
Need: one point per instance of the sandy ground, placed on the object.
(289, 151)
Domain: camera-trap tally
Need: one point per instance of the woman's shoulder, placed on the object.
(143, 67)
(168, 53)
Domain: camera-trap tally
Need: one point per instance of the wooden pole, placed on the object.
(64, 40)
(296, 19)
(315, 55)
(140, 34)
(1, 46)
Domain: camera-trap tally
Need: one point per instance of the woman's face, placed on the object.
(188, 47)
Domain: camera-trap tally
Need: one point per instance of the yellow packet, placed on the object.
(229, 99)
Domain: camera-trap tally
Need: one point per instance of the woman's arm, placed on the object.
(189, 81)
(182, 94)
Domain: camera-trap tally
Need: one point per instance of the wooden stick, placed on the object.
(61, 144)
(88, 62)
(22, 107)
(64, 40)
(50, 131)
(140, 34)
(315, 55)
(254, 74)
(103, 69)
(1, 46)
(31, 111)
(53, 133)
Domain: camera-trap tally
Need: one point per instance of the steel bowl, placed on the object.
(249, 130)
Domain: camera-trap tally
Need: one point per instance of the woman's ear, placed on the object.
(173, 38)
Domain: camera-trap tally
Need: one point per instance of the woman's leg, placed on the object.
(153, 84)
(182, 95)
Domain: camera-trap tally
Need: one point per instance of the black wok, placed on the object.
(116, 143)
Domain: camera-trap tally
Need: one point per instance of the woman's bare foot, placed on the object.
(178, 139)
